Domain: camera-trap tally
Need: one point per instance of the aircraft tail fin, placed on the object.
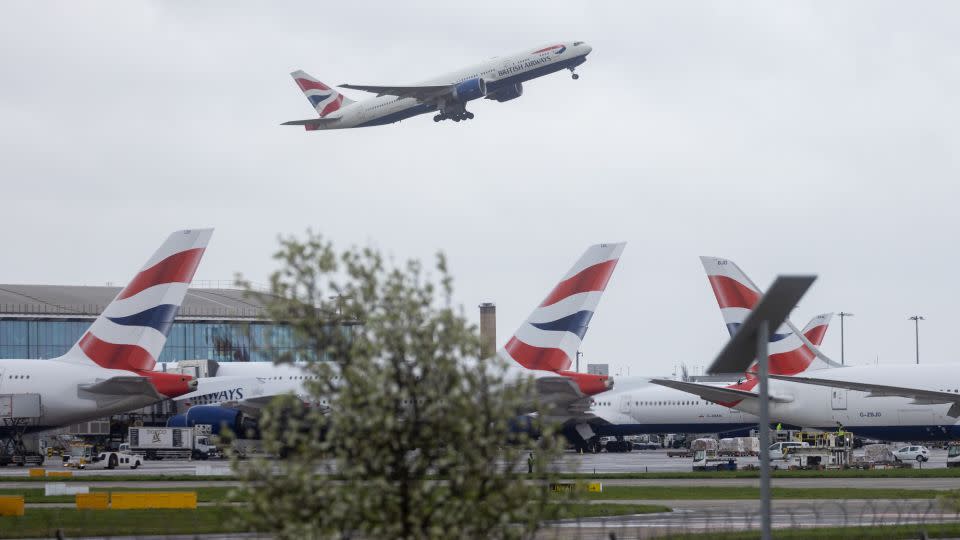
(132, 330)
(737, 295)
(550, 338)
(816, 329)
(324, 99)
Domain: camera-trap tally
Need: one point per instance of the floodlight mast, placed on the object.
(916, 329)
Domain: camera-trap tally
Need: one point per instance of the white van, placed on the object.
(780, 450)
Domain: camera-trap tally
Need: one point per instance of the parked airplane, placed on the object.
(891, 402)
(110, 369)
(499, 79)
(638, 406)
(542, 348)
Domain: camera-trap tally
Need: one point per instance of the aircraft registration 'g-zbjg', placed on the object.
(499, 79)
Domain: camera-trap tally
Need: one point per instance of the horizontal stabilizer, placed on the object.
(920, 395)
(717, 394)
(122, 387)
(311, 122)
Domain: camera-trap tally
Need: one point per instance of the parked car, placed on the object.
(909, 453)
(779, 450)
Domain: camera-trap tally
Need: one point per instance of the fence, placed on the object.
(910, 518)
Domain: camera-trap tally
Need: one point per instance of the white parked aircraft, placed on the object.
(893, 402)
(543, 348)
(110, 369)
(499, 79)
(638, 406)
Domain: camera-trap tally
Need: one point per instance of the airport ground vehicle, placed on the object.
(84, 456)
(710, 460)
(156, 443)
(820, 450)
(779, 450)
(953, 455)
(912, 453)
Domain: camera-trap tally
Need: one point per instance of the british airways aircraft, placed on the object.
(110, 369)
(499, 79)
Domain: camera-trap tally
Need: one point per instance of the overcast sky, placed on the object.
(796, 137)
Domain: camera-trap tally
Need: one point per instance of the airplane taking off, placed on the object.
(110, 369)
(499, 79)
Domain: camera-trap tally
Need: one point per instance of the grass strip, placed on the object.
(45, 522)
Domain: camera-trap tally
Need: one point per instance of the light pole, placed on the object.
(916, 328)
(842, 316)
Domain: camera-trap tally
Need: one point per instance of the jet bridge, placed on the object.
(17, 413)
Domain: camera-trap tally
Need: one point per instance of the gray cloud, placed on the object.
(792, 137)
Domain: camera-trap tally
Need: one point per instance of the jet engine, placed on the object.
(469, 90)
(215, 416)
(506, 94)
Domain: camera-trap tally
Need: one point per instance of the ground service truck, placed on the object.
(170, 443)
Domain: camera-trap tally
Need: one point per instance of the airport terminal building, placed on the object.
(222, 324)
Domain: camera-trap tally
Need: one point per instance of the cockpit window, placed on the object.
(575, 43)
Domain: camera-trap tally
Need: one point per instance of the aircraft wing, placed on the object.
(421, 93)
(119, 387)
(919, 396)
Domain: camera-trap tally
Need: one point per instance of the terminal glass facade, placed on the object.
(223, 341)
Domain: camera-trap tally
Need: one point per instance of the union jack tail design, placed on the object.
(324, 99)
(131, 331)
(816, 329)
(551, 336)
(737, 295)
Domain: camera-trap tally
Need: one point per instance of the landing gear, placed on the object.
(574, 74)
(456, 115)
(12, 448)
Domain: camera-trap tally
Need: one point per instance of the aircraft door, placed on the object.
(838, 399)
(625, 405)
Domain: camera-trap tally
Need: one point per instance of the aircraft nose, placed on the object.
(587, 49)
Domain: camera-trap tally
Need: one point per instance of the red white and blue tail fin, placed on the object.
(551, 336)
(324, 99)
(737, 295)
(816, 329)
(132, 330)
